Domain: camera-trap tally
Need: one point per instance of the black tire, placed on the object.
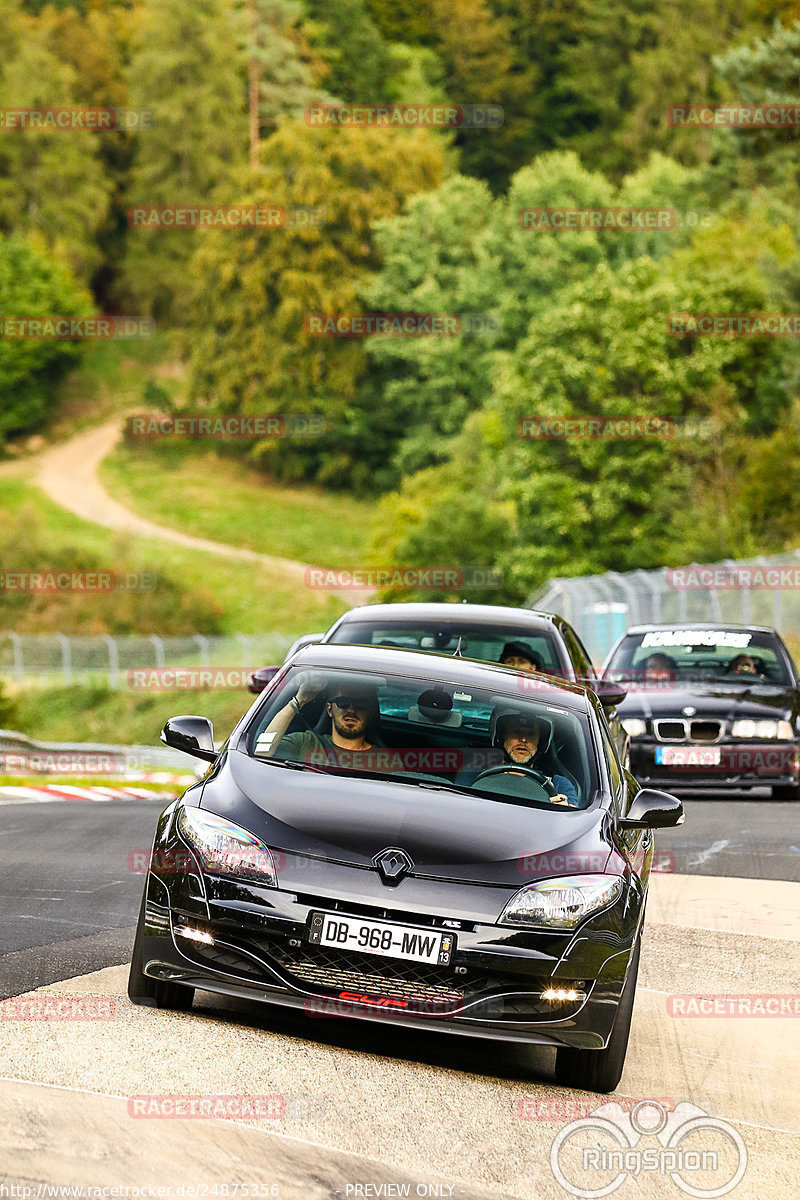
(785, 792)
(601, 1070)
(155, 993)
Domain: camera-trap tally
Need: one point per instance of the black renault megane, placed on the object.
(411, 838)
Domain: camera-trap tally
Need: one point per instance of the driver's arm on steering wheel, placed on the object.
(566, 793)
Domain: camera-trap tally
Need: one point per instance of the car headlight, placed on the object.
(561, 903)
(225, 848)
(634, 726)
(763, 729)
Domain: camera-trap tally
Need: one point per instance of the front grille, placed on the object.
(706, 731)
(670, 731)
(341, 970)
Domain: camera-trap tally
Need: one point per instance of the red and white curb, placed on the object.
(47, 793)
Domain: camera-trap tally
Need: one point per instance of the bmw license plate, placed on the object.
(688, 756)
(381, 937)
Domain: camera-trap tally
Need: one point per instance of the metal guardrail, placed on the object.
(17, 750)
(602, 607)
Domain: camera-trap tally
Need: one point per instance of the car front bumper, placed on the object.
(741, 765)
(492, 987)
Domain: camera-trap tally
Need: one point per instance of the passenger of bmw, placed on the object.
(347, 729)
(527, 741)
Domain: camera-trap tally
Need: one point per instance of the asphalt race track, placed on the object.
(370, 1111)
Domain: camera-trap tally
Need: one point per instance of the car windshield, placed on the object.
(666, 657)
(479, 642)
(518, 747)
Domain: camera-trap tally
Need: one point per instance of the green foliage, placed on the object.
(32, 284)
(356, 54)
(52, 184)
(250, 351)
(188, 66)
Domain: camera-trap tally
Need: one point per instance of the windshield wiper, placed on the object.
(295, 764)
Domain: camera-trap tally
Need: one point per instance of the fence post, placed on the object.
(19, 663)
(203, 644)
(113, 660)
(66, 657)
(158, 644)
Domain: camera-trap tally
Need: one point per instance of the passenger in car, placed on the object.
(744, 664)
(349, 723)
(659, 668)
(521, 656)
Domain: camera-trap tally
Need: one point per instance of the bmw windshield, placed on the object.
(677, 656)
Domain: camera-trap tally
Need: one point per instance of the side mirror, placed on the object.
(609, 694)
(651, 809)
(260, 678)
(192, 735)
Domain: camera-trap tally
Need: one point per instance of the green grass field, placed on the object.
(86, 713)
(195, 490)
(245, 597)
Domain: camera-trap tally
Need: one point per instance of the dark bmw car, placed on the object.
(710, 706)
(536, 641)
(412, 839)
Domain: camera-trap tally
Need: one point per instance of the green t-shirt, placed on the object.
(320, 749)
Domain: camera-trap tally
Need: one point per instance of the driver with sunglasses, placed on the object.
(353, 712)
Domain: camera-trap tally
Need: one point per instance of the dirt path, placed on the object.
(68, 474)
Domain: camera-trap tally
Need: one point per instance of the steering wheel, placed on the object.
(544, 781)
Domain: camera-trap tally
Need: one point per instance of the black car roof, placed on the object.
(451, 612)
(425, 663)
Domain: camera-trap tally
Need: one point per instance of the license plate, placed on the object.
(688, 756)
(381, 937)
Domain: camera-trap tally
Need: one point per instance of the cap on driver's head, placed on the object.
(521, 650)
(504, 715)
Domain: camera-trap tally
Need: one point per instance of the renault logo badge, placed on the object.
(392, 865)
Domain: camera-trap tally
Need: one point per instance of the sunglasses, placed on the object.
(359, 702)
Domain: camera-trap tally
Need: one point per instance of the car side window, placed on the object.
(614, 767)
(580, 659)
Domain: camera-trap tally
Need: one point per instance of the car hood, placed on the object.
(710, 699)
(448, 835)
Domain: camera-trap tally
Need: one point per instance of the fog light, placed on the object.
(196, 935)
(561, 995)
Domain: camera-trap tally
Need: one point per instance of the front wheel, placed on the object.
(601, 1070)
(155, 993)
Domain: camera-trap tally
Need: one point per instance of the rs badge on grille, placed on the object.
(392, 865)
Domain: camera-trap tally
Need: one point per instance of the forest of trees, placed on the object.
(426, 220)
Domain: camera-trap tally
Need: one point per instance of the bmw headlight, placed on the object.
(634, 726)
(766, 730)
(561, 903)
(225, 848)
